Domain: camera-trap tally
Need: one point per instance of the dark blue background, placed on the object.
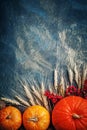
(35, 24)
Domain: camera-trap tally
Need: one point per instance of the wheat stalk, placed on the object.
(10, 101)
(70, 72)
(55, 79)
(44, 98)
(84, 74)
(36, 92)
(79, 81)
(38, 102)
(22, 101)
(28, 93)
(37, 96)
(76, 74)
(62, 86)
(50, 88)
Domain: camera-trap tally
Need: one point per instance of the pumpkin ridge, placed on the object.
(67, 104)
(77, 105)
(81, 123)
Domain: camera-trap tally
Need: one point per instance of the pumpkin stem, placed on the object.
(34, 119)
(76, 116)
(8, 117)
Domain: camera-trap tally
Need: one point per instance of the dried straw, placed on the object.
(76, 74)
(71, 76)
(44, 98)
(10, 101)
(22, 101)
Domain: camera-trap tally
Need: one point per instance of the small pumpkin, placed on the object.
(36, 118)
(70, 113)
(10, 118)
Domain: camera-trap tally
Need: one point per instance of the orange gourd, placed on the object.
(70, 113)
(36, 118)
(10, 118)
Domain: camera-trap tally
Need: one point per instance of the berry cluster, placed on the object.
(71, 90)
(52, 97)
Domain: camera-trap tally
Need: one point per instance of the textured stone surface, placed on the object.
(36, 36)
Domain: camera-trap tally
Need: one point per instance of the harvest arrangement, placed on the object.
(63, 109)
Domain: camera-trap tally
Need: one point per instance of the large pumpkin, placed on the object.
(36, 118)
(70, 113)
(10, 118)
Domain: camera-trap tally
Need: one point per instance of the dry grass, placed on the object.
(71, 76)
(22, 101)
(84, 74)
(14, 102)
(44, 98)
(35, 93)
(76, 74)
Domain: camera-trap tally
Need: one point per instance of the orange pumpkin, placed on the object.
(70, 113)
(36, 118)
(10, 118)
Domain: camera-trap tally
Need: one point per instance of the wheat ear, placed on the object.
(76, 74)
(44, 98)
(55, 79)
(28, 94)
(37, 96)
(10, 101)
(22, 101)
(50, 88)
(70, 72)
(84, 74)
(62, 86)
(36, 92)
(79, 81)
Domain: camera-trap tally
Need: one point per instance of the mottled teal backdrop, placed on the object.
(37, 36)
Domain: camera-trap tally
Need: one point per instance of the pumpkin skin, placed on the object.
(36, 118)
(10, 118)
(70, 113)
